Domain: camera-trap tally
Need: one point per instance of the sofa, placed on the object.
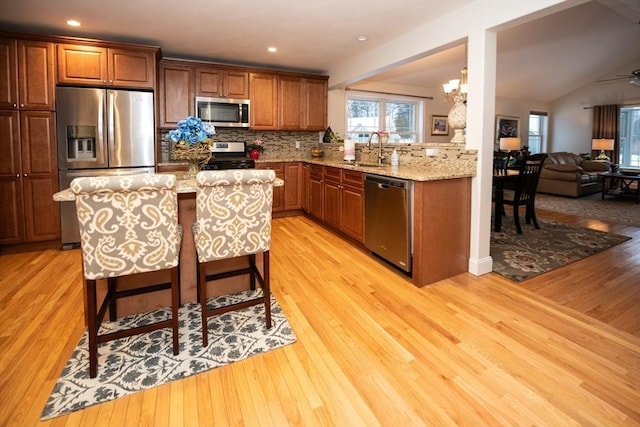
(568, 174)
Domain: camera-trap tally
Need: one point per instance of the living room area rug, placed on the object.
(132, 364)
(612, 209)
(519, 257)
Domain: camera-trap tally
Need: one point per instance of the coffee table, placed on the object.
(622, 185)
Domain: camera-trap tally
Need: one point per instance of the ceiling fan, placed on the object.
(634, 78)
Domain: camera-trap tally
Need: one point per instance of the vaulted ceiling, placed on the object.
(538, 60)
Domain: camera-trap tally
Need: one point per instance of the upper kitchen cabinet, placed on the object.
(302, 103)
(219, 82)
(264, 101)
(175, 92)
(26, 75)
(107, 66)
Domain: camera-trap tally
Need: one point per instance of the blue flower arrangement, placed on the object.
(191, 131)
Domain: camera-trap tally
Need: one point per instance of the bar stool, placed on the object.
(233, 219)
(128, 225)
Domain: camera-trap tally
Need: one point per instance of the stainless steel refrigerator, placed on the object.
(101, 132)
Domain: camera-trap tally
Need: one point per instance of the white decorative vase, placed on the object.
(458, 120)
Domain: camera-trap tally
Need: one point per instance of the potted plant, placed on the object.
(254, 149)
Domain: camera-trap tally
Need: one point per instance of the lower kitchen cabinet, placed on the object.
(278, 192)
(28, 177)
(292, 186)
(337, 198)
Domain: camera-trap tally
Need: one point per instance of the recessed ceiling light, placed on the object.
(73, 23)
(363, 38)
(272, 49)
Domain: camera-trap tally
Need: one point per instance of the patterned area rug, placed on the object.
(612, 209)
(132, 364)
(520, 257)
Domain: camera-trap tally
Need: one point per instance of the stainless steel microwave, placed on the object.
(223, 112)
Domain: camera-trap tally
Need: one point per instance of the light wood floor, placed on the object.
(561, 349)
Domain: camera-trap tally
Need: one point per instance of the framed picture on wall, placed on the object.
(507, 127)
(439, 125)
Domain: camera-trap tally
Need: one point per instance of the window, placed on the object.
(537, 131)
(398, 116)
(629, 137)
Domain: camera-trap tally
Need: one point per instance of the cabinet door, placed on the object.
(131, 68)
(40, 176)
(315, 105)
(305, 187)
(175, 94)
(11, 204)
(263, 89)
(316, 197)
(36, 78)
(292, 186)
(82, 65)
(278, 192)
(290, 103)
(332, 203)
(8, 74)
(236, 84)
(209, 81)
(353, 212)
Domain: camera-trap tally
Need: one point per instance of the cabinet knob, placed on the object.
(15, 105)
(17, 175)
(110, 82)
(21, 105)
(25, 175)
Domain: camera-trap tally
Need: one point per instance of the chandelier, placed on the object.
(456, 87)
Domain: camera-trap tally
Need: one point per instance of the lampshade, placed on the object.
(602, 144)
(508, 144)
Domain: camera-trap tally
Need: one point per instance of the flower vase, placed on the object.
(193, 168)
(457, 119)
(254, 154)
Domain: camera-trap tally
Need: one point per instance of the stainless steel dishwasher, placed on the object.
(387, 219)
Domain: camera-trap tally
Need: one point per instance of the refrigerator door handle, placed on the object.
(111, 140)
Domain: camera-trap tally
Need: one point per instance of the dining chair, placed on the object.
(233, 219)
(128, 226)
(524, 193)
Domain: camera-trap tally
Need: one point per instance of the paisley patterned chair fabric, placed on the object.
(128, 225)
(233, 211)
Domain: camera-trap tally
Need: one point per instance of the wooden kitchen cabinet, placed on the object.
(306, 182)
(106, 66)
(27, 75)
(278, 192)
(220, 82)
(175, 96)
(302, 103)
(292, 186)
(263, 89)
(337, 198)
(28, 177)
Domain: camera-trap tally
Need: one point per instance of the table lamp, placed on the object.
(603, 145)
(509, 144)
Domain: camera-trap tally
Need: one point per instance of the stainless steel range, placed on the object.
(229, 155)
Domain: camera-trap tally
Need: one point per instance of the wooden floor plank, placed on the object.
(562, 348)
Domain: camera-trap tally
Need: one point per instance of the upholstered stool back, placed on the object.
(128, 224)
(233, 209)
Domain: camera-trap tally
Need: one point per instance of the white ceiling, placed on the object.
(539, 60)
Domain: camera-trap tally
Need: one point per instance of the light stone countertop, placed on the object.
(414, 172)
(183, 186)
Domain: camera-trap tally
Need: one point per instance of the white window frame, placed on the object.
(383, 99)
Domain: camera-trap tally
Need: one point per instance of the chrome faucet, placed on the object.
(380, 156)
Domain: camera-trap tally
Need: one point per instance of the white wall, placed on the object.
(570, 122)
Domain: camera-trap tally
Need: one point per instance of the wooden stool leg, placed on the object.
(267, 288)
(252, 272)
(203, 302)
(92, 327)
(112, 286)
(175, 301)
